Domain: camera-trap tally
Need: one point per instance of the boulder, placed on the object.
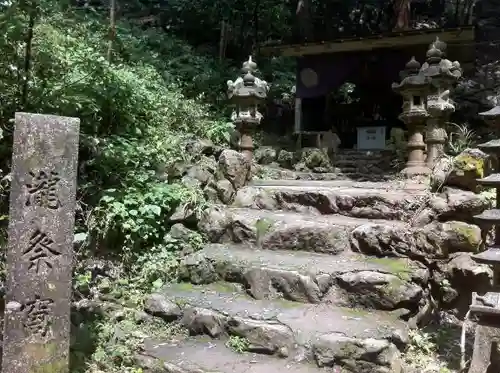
(461, 171)
(285, 159)
(200, 146)
(314, 158)
(454, 236)
(225, 191)
(357, 356)
(234, 167)
(265, 155)
(468, 166)
(461, 205)
(432, 241)
(159, 306)
(457, 278)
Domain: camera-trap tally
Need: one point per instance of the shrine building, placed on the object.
(369, 62)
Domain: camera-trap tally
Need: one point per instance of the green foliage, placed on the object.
(136, 111)
(138, 215)
(435, 351)
(238, 344)
(461, 137)
(109, 343)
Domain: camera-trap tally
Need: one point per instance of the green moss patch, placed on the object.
(396, 266)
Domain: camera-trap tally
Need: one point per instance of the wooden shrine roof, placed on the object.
(397, 39)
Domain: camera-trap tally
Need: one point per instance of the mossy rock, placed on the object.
(285, 159)
(462, 236)
(313, 158)
(468, 166)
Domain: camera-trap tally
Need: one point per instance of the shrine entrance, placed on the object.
(357, 101)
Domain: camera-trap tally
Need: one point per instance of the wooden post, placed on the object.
(298, 122)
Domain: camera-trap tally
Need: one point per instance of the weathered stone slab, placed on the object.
(39, 256)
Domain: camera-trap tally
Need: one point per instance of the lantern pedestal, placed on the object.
(415, 165)
(246, 129)
(435, 139)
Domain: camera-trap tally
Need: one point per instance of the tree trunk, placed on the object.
(222, 41)
(112, 29)
(27, 55)
(402, 12)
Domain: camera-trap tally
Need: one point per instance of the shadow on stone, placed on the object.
(84, 337)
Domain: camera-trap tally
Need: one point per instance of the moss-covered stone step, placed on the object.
(334, 234)
(358, 340)
(283, 229)
(329, 184)
(281, 174)
(201, 356)
(347, 279)
(371, 200)
(403, 201)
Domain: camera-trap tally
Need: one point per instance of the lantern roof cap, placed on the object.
(492, 113)
(248, 86)
(412, 64)
(411, 78)
(440, 45)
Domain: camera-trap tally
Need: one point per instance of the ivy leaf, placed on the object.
(107, 199)
(80, 237)
(157, 284)
(155, 209)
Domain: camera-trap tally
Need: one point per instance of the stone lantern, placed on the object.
(444, 75)
(414, 87)
(246, 93)
(486, 305)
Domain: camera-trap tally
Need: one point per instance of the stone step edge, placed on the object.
(334, 220)
(268, 337)
(199, 356)
(210, 264)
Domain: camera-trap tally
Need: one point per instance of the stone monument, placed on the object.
(414, 87)
(487, 305)
(40, 249)
(246, 93)
(444, 75)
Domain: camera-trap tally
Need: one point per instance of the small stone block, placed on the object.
(491, 256)
(490, 181)
(485, 336)
(491, 216)
(494, 112)
(490, 147)
(40, 249)
(488, 303)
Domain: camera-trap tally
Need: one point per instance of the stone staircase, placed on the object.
(360, 163)
(304, 276)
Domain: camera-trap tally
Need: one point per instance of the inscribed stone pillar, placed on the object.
(444, 75)
(247, 92)
(39, 253)
(414, 87)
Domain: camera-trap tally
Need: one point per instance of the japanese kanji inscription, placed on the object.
(41, 252)
(37, 316)
(43, 189)
(39, 255)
